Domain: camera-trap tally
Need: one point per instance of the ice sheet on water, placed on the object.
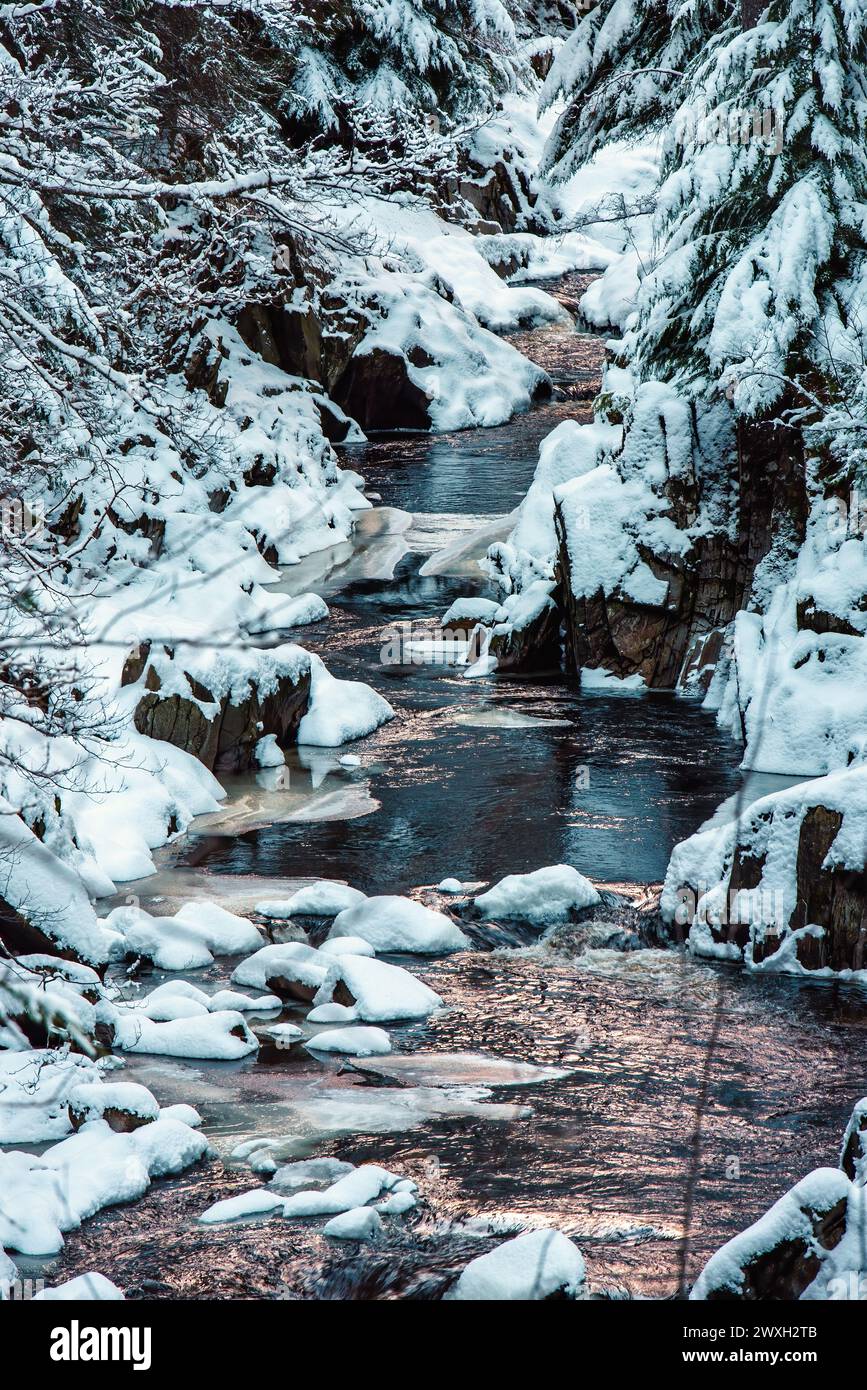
(462, 1069)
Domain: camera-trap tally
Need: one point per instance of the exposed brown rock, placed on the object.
(784, 1272)
(224, 741)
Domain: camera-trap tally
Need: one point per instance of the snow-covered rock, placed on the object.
(356, 1042)
(124, 1105)
(197, 932)
(547, 895)
(399, 924)
(325, 898)
(221, 1036)
(340, 711)
(35, 1088)
(382, 992)
(91, 1288)
(43, 1196)
(290, 970)
(359, 1223)
(536, 1265)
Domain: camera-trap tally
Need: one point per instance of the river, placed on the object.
(475, 779)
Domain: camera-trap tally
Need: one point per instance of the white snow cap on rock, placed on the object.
(90, 1101)
(199, 931)
(356, 1042)
(91, 1287)
(546, 895)
(359, 1223)
(324, 898)
(532, 1266)
(382, 992)
(399, 924)
(43, 1196)
(292, 960)
(219, 1036)
(340, 711)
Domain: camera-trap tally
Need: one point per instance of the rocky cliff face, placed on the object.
(677, 643)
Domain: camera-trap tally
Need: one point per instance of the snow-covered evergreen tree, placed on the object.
(621, 74)
(762, 212)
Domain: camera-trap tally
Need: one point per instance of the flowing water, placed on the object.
(475, 779)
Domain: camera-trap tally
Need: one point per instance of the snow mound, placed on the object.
(35, 1088)
(546, 895)
(291, 961)
(219, 1036)
(41, 1197)
(357, 1042)
(324, 898)
(534, 1266)
(187, 941)
(90, 1101)
(340, 711)
(382, 992)
(359, 1223)
(399, 924)
(91, 1287)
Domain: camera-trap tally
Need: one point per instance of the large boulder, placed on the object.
(219, 723)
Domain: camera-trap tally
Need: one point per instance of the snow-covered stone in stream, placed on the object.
(450, 885)
(471, 611)
(346, 946)
(163, 1005)
(290, 969)
(225, 933)
(382, 992)
(781, 886)
(281, 1036)
(334, 1013)
(268, 752)
(399, 1202)
(350, 760)
(853, 1155)
(359, 1223)
(546, 895)
(340, 711)
(780, 1255)
(187, 941)
(534, 1266)
(34, 1090)
(325, 898)
(243, 1003)
(309, 1173)
(356, 1189)
(91, 1288)
(357, 1042)
(43, 1196)
(124, 1105)
(260, 1201)
(399, 924)
(185, 1114)
(219, 1036)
